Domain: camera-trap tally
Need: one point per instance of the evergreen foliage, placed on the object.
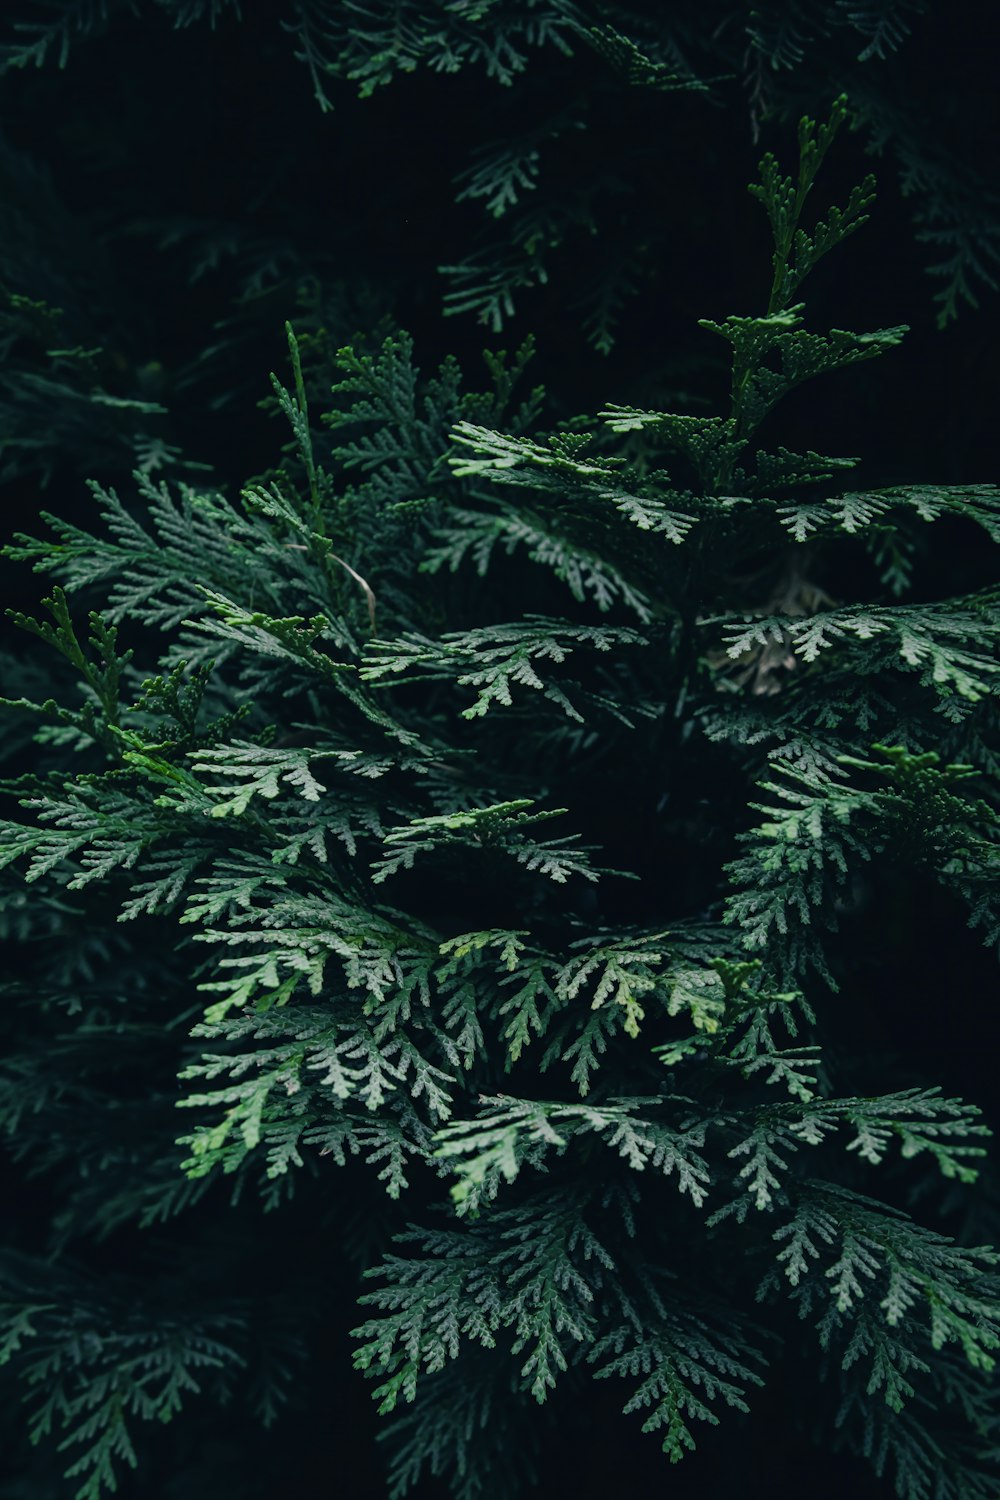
(502, 802)
(537, 165)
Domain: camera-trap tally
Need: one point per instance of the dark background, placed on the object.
(211, 138)
(151, 133)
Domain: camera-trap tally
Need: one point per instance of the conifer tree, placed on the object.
(451, 873)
